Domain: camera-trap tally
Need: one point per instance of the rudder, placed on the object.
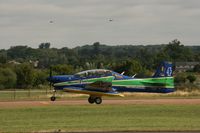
(164, 70)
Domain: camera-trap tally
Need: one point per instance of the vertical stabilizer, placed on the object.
(164, 70)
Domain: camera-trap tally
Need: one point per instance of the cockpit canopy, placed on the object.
(93, 73)
(96, 73)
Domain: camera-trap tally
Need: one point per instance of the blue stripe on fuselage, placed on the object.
(150, 90)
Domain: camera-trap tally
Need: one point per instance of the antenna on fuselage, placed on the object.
(50, 71)
(134, 75)
(123, 73)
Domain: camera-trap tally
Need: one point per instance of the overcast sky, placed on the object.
(70, 23)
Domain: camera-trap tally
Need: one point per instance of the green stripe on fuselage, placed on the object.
(104, 79)
(164, 82)
(85, 81)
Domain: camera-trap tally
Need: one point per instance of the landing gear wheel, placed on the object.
(53, 98)
(91, 100)
(98, 100)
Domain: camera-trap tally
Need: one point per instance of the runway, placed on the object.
(142, 132)
(105, 102)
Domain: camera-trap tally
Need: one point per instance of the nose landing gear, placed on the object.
(53, 98)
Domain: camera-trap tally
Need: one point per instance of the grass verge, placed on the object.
(101, 118)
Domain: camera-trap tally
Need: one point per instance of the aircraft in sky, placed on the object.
(110, 20)
(101, 82)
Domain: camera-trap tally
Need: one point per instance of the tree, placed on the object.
(45, 45)
(3, 57)
(7, 78)
(160, 57)
(96, 46)
(178, 52)
(130, 67)
(135, 67)
(16, 52)
(25, 75)
(63, 69)
(40, 77)
(196, 68)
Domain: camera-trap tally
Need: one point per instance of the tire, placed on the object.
(53, 98)
(91, 100)
(98, 100)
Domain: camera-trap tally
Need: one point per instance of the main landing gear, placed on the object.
(53, 98)
(91, 99)
(96, 100)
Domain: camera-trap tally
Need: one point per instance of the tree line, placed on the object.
(23, 66)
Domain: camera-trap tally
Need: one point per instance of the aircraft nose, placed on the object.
(56, 79)
(52, 79)
(49, 79)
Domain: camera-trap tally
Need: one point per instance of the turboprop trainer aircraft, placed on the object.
(101, 82)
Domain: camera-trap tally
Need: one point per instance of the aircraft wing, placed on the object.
(92, 92)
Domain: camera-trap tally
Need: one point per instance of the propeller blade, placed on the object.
(50, 72)
(50, 75)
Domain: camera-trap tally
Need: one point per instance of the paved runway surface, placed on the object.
(105, 102)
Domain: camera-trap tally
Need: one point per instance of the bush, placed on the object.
(180, 78)
(191, 78)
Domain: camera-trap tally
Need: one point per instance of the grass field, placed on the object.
(101, 118)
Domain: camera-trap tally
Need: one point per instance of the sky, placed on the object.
(71, 23)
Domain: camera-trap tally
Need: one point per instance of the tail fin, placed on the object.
(164, 70)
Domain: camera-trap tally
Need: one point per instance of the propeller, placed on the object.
(49, 79)
(50, 75)
(53, 98)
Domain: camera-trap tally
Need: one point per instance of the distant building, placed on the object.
(14, 62)
(185, 66)
(34, 63)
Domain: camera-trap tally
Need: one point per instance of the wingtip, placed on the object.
(121, 95)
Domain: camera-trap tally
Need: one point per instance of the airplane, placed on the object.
(110, 20)
(101, 82)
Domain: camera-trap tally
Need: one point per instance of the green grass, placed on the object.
(101, 118)
(23, 95)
